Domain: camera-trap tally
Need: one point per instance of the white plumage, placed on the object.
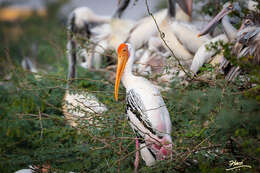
(146, 110)
(79, 105)
(203, 55)
(82, 105)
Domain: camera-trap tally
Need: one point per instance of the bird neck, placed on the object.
(171, 8)
(181, 15)
(175, 11)
(121, 8)
(228, 28)
(128, 75)
(72, 61)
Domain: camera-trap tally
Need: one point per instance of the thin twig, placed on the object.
(40, 118)
(162, 37)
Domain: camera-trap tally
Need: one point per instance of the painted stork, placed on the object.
(145, 110)
(187, 31)
(246, 39)
(84, 22)
(179, 50)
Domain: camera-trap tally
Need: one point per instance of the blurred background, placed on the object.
(37, 28)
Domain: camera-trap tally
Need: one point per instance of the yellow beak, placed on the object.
(121, 63)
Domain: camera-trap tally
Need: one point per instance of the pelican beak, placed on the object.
(186, 6)
(122, 57)
(213, 23)
(189, 6)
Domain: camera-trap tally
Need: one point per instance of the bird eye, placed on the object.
(160, 137)
(248, 22)
(230, 6)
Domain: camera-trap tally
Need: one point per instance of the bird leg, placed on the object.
(163, 147)
(136, 154)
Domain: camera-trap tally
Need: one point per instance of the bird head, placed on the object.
(227, 8)
(122, 58)
(246, 23)
(186, 6)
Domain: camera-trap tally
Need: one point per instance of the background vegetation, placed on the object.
(213, 122)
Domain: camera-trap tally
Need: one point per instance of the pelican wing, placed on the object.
(247, 44)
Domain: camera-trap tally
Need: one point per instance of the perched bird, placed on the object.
(80, 22)
(246, 40)
(79, 104)
(252, 5)
(145, 110)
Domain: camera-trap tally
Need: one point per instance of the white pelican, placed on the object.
(78, 105)
(146, 27)
(203, 54)
(246, 39)
(146, 110)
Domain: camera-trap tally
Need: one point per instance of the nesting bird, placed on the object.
(204, 54)
(246, 40)
(146, 30)
(83, 26)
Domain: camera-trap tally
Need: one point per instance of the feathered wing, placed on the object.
(247, 44)
(136, 114)
(140, 124)
(151, 126)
